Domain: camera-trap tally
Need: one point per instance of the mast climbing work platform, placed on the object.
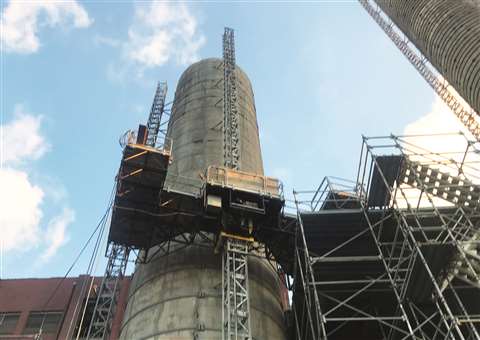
(235, 207)
(140, 179)
(245, 203)
(142, 173)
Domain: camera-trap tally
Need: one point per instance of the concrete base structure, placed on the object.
(179, 296)
(24, 307)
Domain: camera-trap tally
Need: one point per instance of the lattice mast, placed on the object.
(231, 134)
(155, 118)
(104, 311)
(466, 115)
(235, 297)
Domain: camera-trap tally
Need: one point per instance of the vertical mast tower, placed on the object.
(235, 297)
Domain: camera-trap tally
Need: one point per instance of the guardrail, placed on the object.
(130, 137)
(332, 193)
(267, 186)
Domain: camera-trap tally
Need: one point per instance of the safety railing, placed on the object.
(267, 186)
(130, 137)
(332, 193)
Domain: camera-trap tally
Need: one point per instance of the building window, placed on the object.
(8, 322)
(47, 321)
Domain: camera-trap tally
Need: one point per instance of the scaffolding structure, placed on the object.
(395, 255)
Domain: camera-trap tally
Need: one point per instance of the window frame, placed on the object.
(2, 319)
(42, 316)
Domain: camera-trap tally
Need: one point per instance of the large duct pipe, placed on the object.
(179, 296)
(447, 33)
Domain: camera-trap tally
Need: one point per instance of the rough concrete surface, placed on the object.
(179, 296)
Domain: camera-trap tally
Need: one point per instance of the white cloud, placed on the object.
(21, 200)
(55, 233)
(22, 140)
(22, 20)
(163, 31)
(54, 190)
(20, 211)
(436, 139)
(439, 120)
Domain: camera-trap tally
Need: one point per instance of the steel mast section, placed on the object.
(118, 254)
(466, 115)
(235, 297)
(104, 311)
(156, 113)
(231, 133)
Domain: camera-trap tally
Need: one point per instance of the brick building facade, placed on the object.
(27, 305)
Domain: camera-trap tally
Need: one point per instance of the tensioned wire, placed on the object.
(100, 228)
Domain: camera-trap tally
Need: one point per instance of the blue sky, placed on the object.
(76, 75)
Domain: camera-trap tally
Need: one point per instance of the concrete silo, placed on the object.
(179, 296)
(447, 33)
